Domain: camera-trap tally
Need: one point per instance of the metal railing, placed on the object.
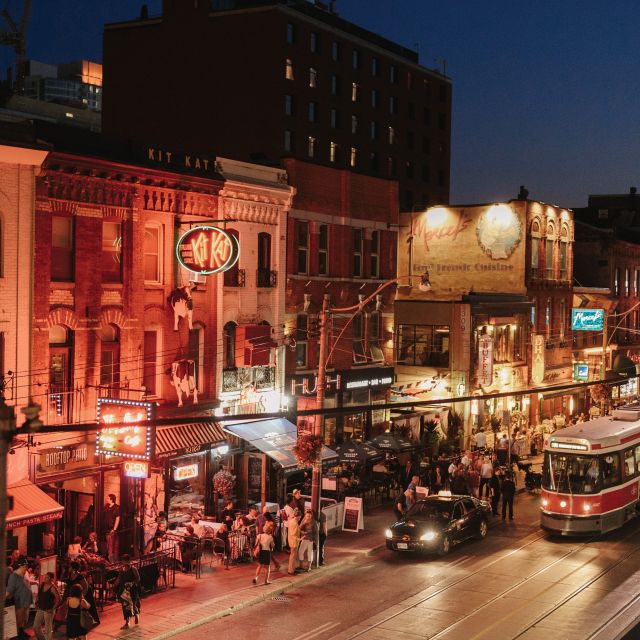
(262, 377)
(266, 279)
(234, 278)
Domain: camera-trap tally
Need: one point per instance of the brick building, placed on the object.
(268, 78)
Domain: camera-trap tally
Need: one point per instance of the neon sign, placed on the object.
(207, 250)
(186, 472)
(587, 319)
(136, 469)
(126, 429)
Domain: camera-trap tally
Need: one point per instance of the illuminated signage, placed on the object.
(568, 445)
(369, 382)
(537, 366)
(587, 319)
(125, 428)
(580, 371)
(186, 472)
(136, 469)
(207, 250)
(485, 361)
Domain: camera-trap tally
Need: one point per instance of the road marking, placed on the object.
(323, 628)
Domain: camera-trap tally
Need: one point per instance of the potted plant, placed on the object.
(307, 449)
(432, 437)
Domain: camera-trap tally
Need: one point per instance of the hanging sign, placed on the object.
(186, 472)
(587, 319)
(125, 428)
(136, 469)
(485, 361)
(537, 351)
(207, 250)
(352, 516)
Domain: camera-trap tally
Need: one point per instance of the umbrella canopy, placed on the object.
(389, 442)
(357, 452)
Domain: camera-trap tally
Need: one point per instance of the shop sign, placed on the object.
(207, 250)
(580, 371)
(587, 319)
(537, 353)
(485, 361)
(367, 378)
(186, 472)
(37, 518)
(369, 383)
(65, 458)
(125, 428)
(136, 469)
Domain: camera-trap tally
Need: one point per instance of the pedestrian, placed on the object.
(46, 604)
(493, 489)
(399, 506)
(228, 515)
(293, 539)
(19, 590)
(75, 604)
(307, 539)
(486, 473)
(77, 577)
(298, 500)
(508, 492)
(412, 486)
(481, 440)
(322, 536)
(437, 481)
(264, 547)
(459, 484)
(128, 591)
(111, 520)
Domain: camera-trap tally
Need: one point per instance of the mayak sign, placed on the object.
(125, 428)
(587, 319)
(207, 250)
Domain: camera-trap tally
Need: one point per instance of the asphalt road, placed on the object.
(517, 583)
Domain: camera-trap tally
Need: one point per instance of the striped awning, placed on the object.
(31, 505)
(182, 439)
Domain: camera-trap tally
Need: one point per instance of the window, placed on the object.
(549, 259)
(392, 135)
(333, 151)
(426, 115)
(61, 249)
(375, 254)
(355, 59)
(393, 104)
(426, 145)
(563, 318)
(410, 139)
(150, 365)
(302, 246)
(548, 315)
(333, 118)
(229, 337)
(353, 157)
(636, 280)
(393, 74)
(411, 110)
(409, 169)
(354, 125)
(313, 42)
(301, 340)
(423, 345)
(61, 368)
(354, 92)
(442, 121)
(357, 236)
(291, 33)
(391, 166)
(288, 105)
(374, 336)
(358, 339)
(234, 276)
(196, 353)
(313, 111)
(153, 253)
(375, 97)
(335, 51)
(616, 282)
(288, 69)
(288, 140)
(323, 250)
(311, 147)
(335, 85)
(374, 130)
(111, 251)
(627, 283)
(375, 66)
(313, 78)
(611, 469)
(110, 358)
(534, 255)
(1, 250)
(629, 463)
(264, 260)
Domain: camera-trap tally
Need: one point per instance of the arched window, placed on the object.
(153, 246)
(551, 238)
(564, 253)
(60, 368)
(230, 345)
(548, 319)
(535, 248)
(264, 260)
(110, 359)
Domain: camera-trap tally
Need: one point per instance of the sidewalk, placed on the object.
(219, 593)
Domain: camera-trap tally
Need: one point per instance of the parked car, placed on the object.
(437, 523)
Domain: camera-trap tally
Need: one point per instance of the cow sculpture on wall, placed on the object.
(182, 304)
(183, 378)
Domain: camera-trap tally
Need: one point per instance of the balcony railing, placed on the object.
(234, 278)
(260, 377)
(266, 279)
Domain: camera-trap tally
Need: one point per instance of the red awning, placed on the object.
(31, 505)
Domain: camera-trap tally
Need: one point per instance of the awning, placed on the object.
(183, 439)
(31, 505)
(276, 438)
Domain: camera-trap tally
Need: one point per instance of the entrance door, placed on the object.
(79, 515)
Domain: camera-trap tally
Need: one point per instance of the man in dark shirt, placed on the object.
(508, 492)
(494, 492)
(111, 519)
(298, 500)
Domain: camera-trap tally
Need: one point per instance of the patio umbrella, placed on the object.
(391, 443)
(357, 452)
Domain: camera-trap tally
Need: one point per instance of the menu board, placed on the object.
(352, 518)
(10, 628)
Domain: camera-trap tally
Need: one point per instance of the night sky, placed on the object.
(544, 93)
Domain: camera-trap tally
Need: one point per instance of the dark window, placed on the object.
(355, 59)
(358, 339)
(335, 51)
(150, 363)
(314, 42)
(410, 139)
(61, 367)
(289, 140)
(374, 161)
(423, 345)
(426, 116)
(152, 253)
(111, 251)
(334, 118)
(375, 66)
(323, 250)
(230, 277)
(313, 111)
(291, 33)
(393, 74)
(62, 248)
(110, 357)
(375, 97)
(409, 169)
(302, 246)
(289, 105)
(335, 85)
(301, 340)
(442, 121)
(411, 110)
(375, 254)
(230, 345)
(357, 252)
(264, 260)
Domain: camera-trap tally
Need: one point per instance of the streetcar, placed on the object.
(591, 474)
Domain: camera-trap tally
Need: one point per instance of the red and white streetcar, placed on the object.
(591, 474)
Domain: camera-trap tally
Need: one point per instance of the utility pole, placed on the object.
(605, 343)
(318, 423)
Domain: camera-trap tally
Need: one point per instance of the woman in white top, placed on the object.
(264, 547)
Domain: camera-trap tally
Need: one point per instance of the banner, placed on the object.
(537, 365)
(485, 361)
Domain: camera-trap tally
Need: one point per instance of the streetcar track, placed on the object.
(502, 594)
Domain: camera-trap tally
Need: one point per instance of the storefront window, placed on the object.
(423, 345)
(187, 487)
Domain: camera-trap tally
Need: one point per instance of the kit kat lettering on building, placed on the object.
(177, 161)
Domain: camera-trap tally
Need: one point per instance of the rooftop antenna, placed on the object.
(443, 64)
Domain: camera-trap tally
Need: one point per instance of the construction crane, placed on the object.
(13, 35)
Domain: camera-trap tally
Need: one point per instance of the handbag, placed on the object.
(86, 620)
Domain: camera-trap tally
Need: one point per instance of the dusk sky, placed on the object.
(544, 93)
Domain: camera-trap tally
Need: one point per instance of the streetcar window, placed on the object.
(568, 473)
(629, 463)
(637, 451)
(611, 469)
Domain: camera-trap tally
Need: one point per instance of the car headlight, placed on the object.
(430, 535)
(388, 534)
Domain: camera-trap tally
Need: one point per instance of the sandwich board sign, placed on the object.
(353, 517)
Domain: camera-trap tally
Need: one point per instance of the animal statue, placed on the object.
(182, 304)
(183, 378)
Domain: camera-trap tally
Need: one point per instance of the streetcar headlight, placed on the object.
(586, 507)
(545, 502)
(430, 535)
(563, 503)
(388, 534)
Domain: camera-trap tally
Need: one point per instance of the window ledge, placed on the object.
(62, 284)
(112, 285)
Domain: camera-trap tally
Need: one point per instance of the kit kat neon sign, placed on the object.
(207, 250)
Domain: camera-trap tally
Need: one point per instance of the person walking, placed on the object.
(508, 492)
(128, 591)
(307, 537)
(19, 590)
(75, 604)
(47, 602)
(265, 546)
(322, 536)
(399, 506)
(493, 489)
(293, 540)
(486, 473)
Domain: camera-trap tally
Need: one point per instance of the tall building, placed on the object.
(262, 79)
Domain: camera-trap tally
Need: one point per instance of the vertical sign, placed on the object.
(352, 518)
(537, 357)
(485, 361)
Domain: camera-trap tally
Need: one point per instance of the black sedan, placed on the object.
(435, 524)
